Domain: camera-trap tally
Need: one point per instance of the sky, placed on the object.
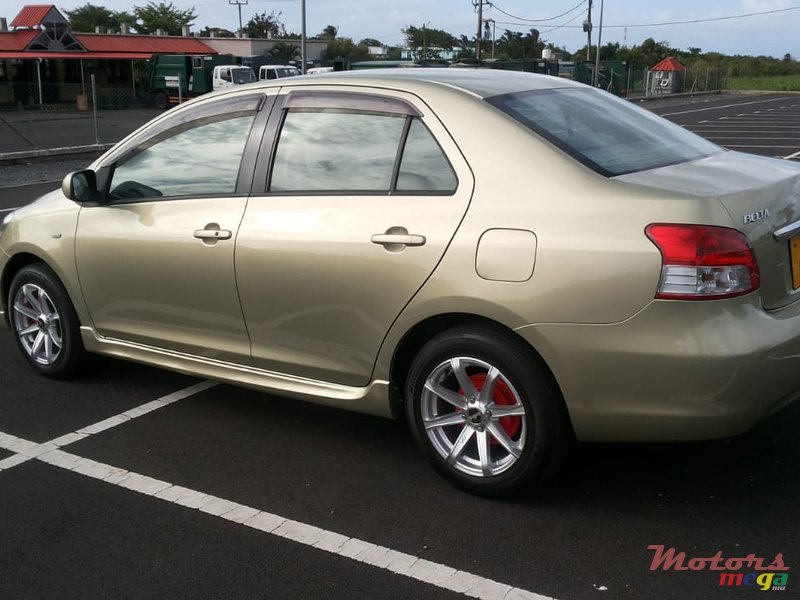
(766, 34)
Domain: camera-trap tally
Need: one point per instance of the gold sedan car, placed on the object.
(510, 261)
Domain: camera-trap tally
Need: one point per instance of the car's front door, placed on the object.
(155, 261)
(364, 194)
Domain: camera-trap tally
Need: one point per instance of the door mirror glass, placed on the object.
(80, 186)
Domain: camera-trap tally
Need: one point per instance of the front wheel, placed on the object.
(485, 412)
(44, 322)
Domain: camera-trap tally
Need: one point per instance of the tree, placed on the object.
(216, 32)
(85, 18)
(328, 33)
(265, 26)
(152, 17)
(466, 46)
(370, 42)
(427, 43)
(344, 47)
(286, 51)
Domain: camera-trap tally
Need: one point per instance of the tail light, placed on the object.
(701, 262)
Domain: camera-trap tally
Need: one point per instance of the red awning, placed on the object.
(152, 44)
(78, 55)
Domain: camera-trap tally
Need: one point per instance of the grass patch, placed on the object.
(782, 83)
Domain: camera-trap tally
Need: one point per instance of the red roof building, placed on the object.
(34, 15)
(668, 64)
(41, 31)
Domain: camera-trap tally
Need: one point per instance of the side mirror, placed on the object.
(80, 186)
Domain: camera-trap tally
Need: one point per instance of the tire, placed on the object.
(44, 323)
(459, 428)
(160, 100)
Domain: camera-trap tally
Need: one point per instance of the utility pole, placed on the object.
(587, 27)
(480, 29)
(303, 37)
(486, 31)
(599, 38)
(478, 5)
(239, 4)
(425, 41)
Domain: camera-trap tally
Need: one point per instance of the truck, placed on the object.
(169, 78)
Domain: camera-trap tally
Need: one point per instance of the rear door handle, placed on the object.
(212, 233)
(408, 239)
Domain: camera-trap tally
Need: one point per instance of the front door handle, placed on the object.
(212, 233)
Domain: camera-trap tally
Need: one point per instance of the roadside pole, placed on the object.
(94, 109)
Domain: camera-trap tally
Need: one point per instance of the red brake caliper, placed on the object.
(502, 397)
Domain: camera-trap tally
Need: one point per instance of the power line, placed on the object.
(694, 21)
(726, 18)
(577, 6)
(566, 24)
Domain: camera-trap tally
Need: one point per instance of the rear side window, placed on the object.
(424, 166)
(342, 149)
(607, 134)
(336, 150)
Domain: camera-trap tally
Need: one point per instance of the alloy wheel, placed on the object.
(38, 324)
(473, 416)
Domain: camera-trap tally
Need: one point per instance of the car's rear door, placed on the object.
(361, 196)
(155, 261)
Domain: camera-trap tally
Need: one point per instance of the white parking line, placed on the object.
(757, 146)
(795, 155)
(381, 557)
(25, 450)
(2, 210)
(686, 112)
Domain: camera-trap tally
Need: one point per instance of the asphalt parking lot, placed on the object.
(140, 483)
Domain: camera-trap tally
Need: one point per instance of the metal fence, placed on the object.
(628, 82)
(23, 95)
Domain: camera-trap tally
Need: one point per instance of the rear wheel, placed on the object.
(485, 412)
(44, 322)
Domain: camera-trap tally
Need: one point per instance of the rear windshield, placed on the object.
(607, 134)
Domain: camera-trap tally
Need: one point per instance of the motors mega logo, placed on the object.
(749, 571)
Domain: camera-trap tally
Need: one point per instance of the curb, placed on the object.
(47, 152)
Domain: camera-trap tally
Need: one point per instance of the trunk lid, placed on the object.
(762, 197)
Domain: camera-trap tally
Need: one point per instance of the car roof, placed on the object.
(483, 83)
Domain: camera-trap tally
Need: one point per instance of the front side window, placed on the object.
(607, 134)
(198, 158)
(350, 150)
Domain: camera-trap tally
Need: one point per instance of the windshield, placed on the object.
(605, 133)
(243, 75)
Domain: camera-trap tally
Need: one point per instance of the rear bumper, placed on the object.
(676, 370)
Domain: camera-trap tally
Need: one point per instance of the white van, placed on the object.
(277, 72)
(318, 70)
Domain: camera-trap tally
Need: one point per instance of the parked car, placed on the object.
(509, 261)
